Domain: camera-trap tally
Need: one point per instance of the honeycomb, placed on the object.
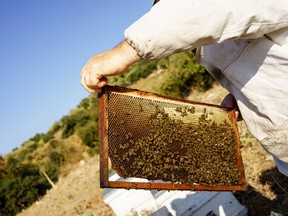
(171, 140)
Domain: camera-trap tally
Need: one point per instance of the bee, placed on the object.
(140, 108)
(115, 134)
(128, 112)
(178, 109)
(191, 110)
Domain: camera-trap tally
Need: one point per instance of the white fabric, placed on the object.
(244, 47)
(256, 73)
(282, 166)
(173, 25)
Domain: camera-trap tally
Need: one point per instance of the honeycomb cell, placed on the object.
(171, 141)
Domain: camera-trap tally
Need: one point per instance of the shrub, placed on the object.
(55, 143)
(89, 135)
(84, 103)
(77, 118)
(93, 151)
(24, 185)
(56, 158)
(68, 126)
(42, 137)
(55, 127)
(16, 194)
(3, 168)
(134, 73)
(182, 74)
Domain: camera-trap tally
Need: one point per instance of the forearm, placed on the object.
(113, 62)
(125, 55)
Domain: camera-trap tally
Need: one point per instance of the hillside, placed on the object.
(68, 152)
(24, 171)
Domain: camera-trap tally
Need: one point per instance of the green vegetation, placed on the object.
(21, 172)
(134, 73)
(22, 185)
(181, 75)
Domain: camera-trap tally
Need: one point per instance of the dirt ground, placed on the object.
(79, 194)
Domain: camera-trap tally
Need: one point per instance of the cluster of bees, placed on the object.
(203, 152)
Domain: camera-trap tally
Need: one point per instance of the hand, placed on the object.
(109, 63)
(230, 101)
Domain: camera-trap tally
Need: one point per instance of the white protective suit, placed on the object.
(244, 46)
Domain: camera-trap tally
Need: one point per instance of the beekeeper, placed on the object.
(242, 43)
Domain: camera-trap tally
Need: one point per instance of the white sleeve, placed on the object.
(174, 26)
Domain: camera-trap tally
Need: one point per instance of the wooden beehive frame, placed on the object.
(104, 158)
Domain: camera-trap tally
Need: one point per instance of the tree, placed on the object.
(24, 185)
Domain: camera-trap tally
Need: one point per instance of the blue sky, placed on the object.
(43, 47)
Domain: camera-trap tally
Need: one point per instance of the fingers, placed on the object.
(238, 116)
(92, 83)
(109, 63)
